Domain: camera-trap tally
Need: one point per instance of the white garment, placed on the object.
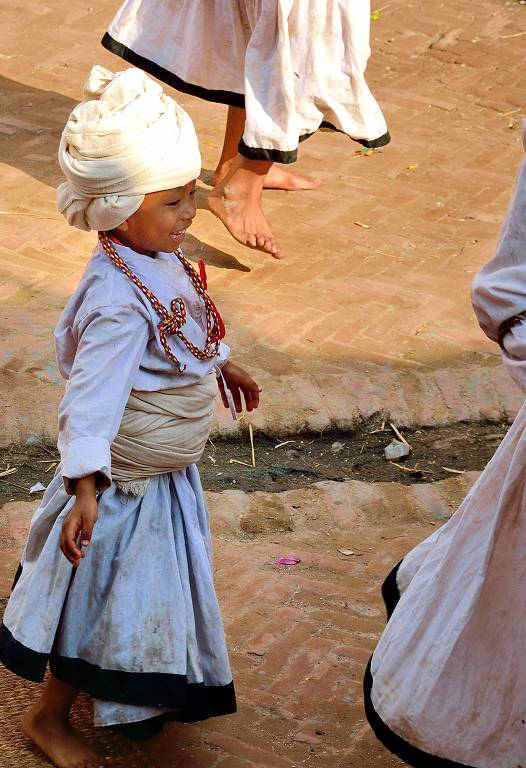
(449, 672)
(125, 140)
(108, 312)
(292, 63)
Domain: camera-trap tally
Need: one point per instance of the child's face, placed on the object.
(161, 222)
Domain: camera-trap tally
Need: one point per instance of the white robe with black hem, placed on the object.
(293, 64)
(447, 681)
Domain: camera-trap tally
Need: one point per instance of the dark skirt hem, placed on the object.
(23, 661)
(223, 97)
(192, 701)
(390, 591)
(394, 743)
(218, 97)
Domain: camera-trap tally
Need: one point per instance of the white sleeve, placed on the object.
(111, 343)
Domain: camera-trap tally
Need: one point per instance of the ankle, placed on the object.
(44, 712)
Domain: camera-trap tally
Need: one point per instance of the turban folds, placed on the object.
(126, 139)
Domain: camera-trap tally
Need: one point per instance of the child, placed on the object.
(445, 687)
(127, 610)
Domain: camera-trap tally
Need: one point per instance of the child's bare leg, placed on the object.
(276, 177)
(47, 725)
(236, 201)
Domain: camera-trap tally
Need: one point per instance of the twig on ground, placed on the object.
(285, 442)
(15, 485)
(244, 463)
(399, 434)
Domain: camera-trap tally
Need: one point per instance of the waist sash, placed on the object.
(162, 432)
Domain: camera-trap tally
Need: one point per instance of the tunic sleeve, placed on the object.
(111, 344)
(499, 289)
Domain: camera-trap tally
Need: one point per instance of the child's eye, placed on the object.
(175, 202)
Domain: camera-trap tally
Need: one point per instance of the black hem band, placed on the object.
(290, 156)
(218, 97)
(193, 701)
(222, 97)
(23, 661)
(390, 591)
(395, 744)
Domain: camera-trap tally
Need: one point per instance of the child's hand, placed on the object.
(238, 381)
(80, 520)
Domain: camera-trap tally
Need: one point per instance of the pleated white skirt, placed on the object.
(295, 65)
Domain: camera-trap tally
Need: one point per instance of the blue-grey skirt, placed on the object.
(137, 625)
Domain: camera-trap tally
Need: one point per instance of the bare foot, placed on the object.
(279, 178)
(237, 203)
(59, 741)
(276, 178)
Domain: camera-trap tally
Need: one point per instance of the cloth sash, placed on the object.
(162, 432)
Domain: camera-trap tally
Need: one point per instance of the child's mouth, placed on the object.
(178, 236)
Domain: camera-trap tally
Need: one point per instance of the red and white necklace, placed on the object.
(172, 322)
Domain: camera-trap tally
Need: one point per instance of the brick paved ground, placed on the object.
(354, 321)
(359, 302)
(299, 636)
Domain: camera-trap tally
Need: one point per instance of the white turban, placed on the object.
(126, 139)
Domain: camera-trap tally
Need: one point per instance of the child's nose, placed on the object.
(190, 208)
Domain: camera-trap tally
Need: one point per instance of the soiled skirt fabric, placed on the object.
(293, 64)
(446, 685)
(137, 625)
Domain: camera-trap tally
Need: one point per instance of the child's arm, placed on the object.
(78, 525)
(239, 382)
(111, 344)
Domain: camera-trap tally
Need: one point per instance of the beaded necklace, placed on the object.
(172, 322)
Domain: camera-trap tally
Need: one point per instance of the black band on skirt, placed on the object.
(192, 701)
(222, 97)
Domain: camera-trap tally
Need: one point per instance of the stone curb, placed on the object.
(310, 403)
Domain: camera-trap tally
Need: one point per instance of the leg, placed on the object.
(276, 177)
(47, 725)
(236, 201)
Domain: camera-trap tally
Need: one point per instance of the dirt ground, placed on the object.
(436, 454)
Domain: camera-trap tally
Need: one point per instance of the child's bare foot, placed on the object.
(237, 203)
(276, 178)
(59, 741)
